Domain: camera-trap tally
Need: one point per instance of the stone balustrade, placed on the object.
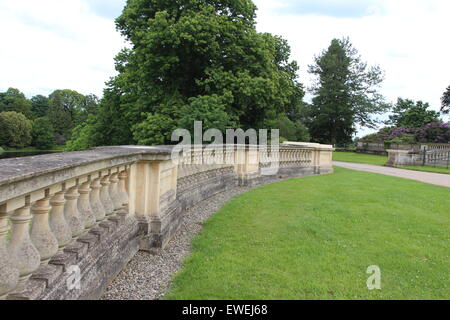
(79, 217)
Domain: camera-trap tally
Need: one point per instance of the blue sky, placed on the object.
(331, 8)
(55, 44)
(109, 9)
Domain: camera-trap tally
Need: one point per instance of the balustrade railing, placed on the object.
(38, 225)
(66, 196)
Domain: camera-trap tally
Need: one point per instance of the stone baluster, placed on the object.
(122, 193)
(58, 223)
(84, 205)
(41, 234)
(114, 190)
(71, 212)
(23, 254)
(96, 204)
(9, 275)
(105, 197)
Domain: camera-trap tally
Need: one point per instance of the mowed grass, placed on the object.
(315, 237)
(427, 169)
(360, 158)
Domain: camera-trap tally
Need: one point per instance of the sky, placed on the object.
(71, 44)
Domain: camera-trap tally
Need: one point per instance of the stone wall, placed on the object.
(91, 211)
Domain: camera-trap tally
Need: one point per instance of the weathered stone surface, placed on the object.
(31, 173)
(155, 189)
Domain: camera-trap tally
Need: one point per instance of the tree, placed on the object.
(14, 100)
(43, 133)
(67, 109)
(15, 129)
(345, 94)
(446, 101)
(410, 114)
(188, 54)
(39, 106)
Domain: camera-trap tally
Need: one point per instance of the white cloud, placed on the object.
(57, 44)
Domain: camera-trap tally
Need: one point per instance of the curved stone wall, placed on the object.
(91, 211)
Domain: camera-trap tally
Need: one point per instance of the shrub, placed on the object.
(435, 132)
(43, 133)
(15, 129)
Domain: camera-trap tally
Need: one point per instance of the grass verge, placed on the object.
(315, 237)
(427, 169)
(359, 158)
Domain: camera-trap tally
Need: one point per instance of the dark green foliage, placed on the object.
(39, 106)
(43, 134)
(345, 94)
(410, 114)
(67, 109)
(195, 60)
(290, 130)
(15, 129)
(14, 100)
(446, 101)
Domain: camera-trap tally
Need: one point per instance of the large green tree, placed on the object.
(195, 60)
(345, 94)
(67, 109)
(409, 114)
(15, 130)
(14, 100)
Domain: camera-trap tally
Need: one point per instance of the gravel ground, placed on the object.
(147, 276)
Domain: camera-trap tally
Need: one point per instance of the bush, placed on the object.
(15, 130)
(434, 132)
(43, 133)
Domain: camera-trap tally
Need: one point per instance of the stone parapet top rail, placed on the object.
(95, 209)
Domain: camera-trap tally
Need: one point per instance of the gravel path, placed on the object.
(427, 177)
(147, 276)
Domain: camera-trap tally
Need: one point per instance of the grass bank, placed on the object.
(315, 237)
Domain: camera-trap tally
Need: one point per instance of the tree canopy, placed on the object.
(15, 129)
(195, 60)
(14, 100)
(410, 114)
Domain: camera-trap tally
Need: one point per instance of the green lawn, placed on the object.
(427, 169)
(315, 237)
(359, 158)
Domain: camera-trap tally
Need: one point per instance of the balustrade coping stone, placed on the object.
(19, 176)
